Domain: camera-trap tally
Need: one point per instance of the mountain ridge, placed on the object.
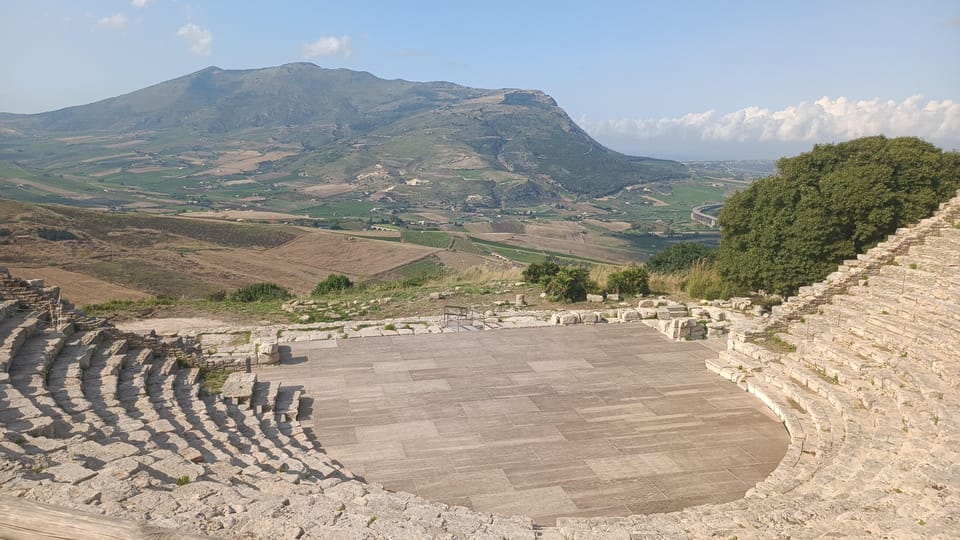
(341, 114)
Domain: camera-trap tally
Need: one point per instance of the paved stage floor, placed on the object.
(587, 420)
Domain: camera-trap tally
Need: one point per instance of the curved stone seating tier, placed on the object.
(97, 420)
(93, 420)
(872, 401)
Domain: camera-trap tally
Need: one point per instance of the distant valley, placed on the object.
(337, 149)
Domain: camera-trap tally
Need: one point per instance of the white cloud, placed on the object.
(139, 3)
(113, 22)
(824, 120)
(326, 46)
(200, 40)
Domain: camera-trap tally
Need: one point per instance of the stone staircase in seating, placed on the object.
(96, 420)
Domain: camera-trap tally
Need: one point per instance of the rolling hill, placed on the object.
(300, 126)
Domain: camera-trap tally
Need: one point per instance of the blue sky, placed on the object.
(673, 79)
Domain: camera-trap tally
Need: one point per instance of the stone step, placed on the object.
(901, 362)
(884, 330)
(19, 332)
(287, 404)
(36, 356)
(896, 282)
(934, 315)
(14, 316)
(802, 417)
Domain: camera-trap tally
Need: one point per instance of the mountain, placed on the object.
(343, 126)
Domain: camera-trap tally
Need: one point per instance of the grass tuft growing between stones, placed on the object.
(213, 379)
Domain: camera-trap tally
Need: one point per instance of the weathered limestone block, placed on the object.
(677, 310)
(682, 328)
(647, 303)
(647, 313)
(615, 297)
(239, 387)
(71, 473)
(565, 318)
(591, 317)
(627, 315)
(594, 298)
(521, 300)
(269, 354)
(718, 329)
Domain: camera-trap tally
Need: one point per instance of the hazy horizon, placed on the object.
(690, 80)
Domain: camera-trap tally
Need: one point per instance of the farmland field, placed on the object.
(436, 239)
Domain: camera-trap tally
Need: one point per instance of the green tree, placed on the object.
(828, 205)
(333, 283)
(680, 256)
(570, 284)
(631, 280)
(541, 272)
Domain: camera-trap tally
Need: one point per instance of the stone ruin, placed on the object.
(104, 430)
(675, 320)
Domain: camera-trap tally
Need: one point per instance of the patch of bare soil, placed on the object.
(558, 229)
(478, 228)
(45, 187)
(321, 190)
(79, 288)
(239, 161)
(366, 234)
(347, 254)
(615, 226)
(459, 260)
(246, 215)
(587, 246)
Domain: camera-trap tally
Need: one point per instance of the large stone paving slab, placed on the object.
(546, 422)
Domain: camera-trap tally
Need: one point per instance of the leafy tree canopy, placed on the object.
(631, 280)
(569, 284)
(827, 205)
(541, 272)
(680, 256)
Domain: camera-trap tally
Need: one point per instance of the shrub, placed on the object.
(217, 296)
(570, 284)
(680, 256)
(260, 292)
(183, 480)
(333, 283)
(55, 235)
(631, 280)
(541, 272)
